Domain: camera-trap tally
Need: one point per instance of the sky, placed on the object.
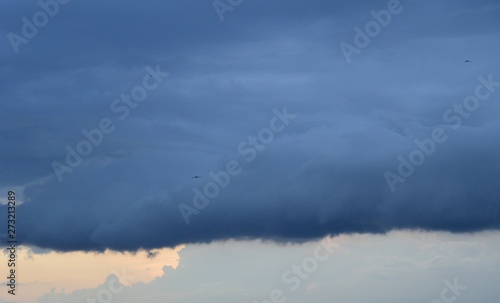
(208, 146)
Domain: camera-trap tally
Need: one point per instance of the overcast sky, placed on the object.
(303, 119)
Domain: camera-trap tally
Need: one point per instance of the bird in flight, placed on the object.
(196, 177)
(467, 61)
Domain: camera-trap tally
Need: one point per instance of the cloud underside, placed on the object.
(325, 172)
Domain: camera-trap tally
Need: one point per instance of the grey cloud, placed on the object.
(322, 175)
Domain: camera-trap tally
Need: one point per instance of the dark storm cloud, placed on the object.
(323, 174)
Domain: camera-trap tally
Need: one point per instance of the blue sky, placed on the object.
(304, 119)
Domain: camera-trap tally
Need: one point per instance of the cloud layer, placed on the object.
(358, 268)
(321, 174)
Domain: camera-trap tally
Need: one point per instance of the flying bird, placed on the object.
(467, 61)
(196, 177)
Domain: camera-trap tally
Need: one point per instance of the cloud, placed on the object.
(322, 175)
(386, 268)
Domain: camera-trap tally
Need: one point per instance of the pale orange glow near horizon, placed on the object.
(66, 272)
